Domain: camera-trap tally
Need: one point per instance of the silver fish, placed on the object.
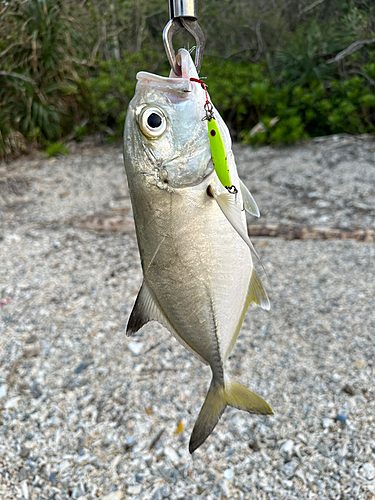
(199, 277)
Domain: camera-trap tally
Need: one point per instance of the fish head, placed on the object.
(165, 136)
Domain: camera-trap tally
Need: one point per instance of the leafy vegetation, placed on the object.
(292, 70)
(55, 149)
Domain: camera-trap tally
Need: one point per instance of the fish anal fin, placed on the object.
(146, 308)
(217, 399)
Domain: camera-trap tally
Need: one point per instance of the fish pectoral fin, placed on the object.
(257, 293)
(232, 211)
(218, 397)
(248, 201)
(145, 309)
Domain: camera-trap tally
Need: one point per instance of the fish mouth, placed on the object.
(180, 86)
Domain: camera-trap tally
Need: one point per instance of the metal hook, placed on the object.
(183, 16)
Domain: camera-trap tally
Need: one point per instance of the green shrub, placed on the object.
(245, 96)
(39, 59)
(55, 149)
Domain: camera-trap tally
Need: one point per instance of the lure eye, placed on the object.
(152, 122)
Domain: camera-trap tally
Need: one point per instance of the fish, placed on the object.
(196, 256)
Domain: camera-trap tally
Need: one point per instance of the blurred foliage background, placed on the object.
(292, 69)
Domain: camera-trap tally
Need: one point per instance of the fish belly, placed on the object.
(196, 265)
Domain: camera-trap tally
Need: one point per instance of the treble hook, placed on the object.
(183, 15)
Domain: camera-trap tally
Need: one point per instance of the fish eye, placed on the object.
(152, 122)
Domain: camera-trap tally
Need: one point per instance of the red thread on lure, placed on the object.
(203, 85)
(207, 106)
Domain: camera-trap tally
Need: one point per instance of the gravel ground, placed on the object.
(86, 413)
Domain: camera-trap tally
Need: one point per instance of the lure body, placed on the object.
(218, 153)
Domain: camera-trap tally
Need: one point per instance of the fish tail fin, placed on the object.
(217, 399)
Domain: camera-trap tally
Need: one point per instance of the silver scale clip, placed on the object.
(183, 15)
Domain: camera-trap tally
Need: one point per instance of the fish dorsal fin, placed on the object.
(144, 310)
(256, 293)
(232, 211)
(147, 309)
(248, 201)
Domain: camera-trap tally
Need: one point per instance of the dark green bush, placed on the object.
(39, 57)
(245, 96)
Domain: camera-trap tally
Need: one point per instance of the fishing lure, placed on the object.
(218, 153)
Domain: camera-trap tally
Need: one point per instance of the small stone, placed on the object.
(336, 377)
(135, 347)
(169, 474)
(327, 422)
(65, 464)
(134, 490)
(82, 366)
(298, 473)
(25, 489)
(348, 389)
(367, 471)
(302, 438)
(3, 390)
(115, 495)
(165, 491)
(25, 451)
(22, 474)
(31, 339)
(171, 454)
(35, 389)
(319, 465)
(228, 474)
(157, 495)
(254, 444)
(287, 449)
(289, 468)
(322, 450)
(341, 418)
(311, 478)
(12, 402)
(78, 491)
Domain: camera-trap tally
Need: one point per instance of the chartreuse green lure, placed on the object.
(218, 153)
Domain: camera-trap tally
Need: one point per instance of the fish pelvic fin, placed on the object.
(219, 396)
